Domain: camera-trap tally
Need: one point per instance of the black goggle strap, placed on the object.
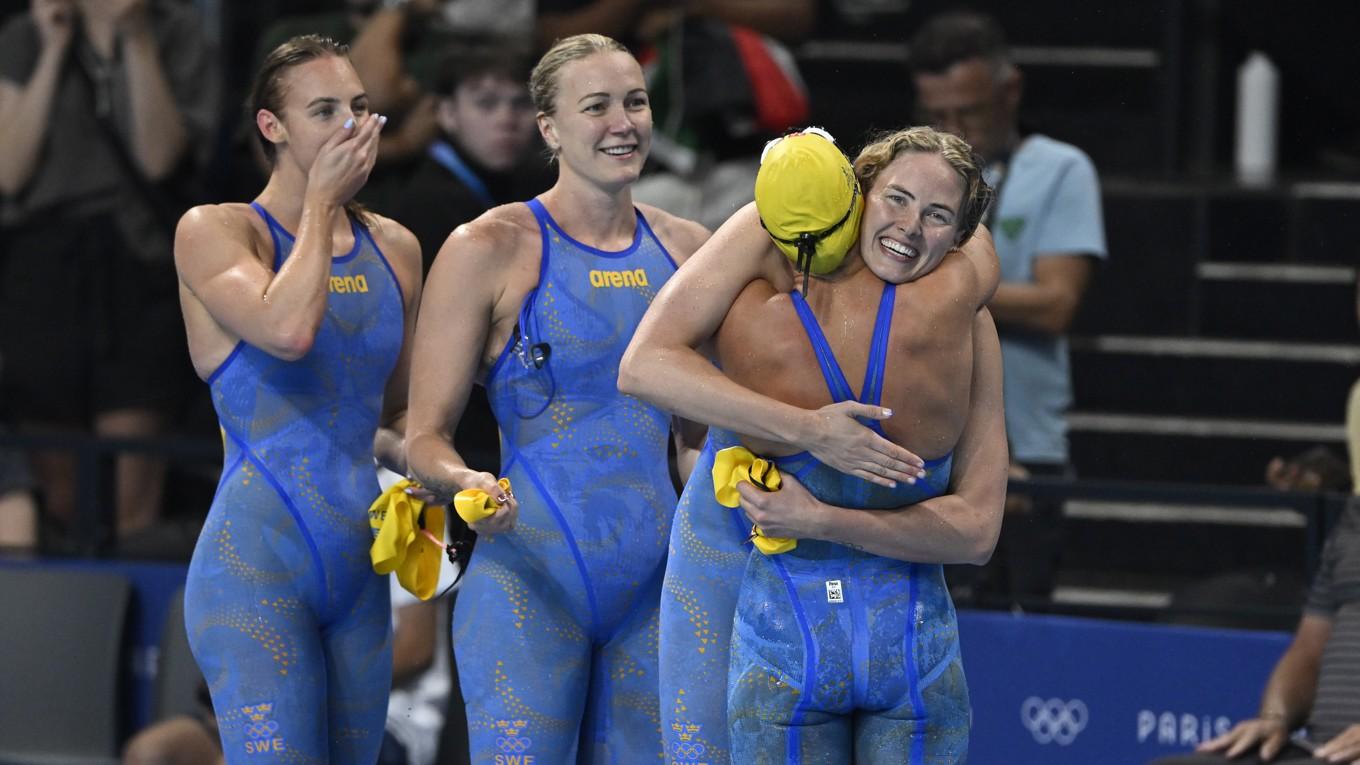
(807, 247)
(807, 241)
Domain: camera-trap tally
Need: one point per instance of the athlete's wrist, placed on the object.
(804, 428)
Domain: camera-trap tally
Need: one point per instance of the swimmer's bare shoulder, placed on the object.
(762, 345)
(680, 236)
(501, 247)
(967, 276)
(234, 224)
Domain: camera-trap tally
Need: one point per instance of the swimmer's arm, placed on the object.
(980, 251)
(403, 252)
(961, 527)
(681, 238)
(468, 277)
(663, 366)
(279, 313)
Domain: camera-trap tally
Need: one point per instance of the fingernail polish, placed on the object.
(382, 119)
(887, 412)
(349, 123)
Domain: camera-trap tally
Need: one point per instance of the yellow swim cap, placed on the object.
(809, 200)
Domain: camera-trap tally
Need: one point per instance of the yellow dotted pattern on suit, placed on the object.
(690, 603)
(563, 415)
(516, 706)
(274, 642)
(227, 552)
(312, 497)
(693, 543)
(516, 594)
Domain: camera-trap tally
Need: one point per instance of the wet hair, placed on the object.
(949, 38)
(543, 84)
(462, 64)
(267, 92)
(886, 147)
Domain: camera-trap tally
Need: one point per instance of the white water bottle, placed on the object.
(1258, 98)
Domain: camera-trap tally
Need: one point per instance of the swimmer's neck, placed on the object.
(591, 215)
(849, 268)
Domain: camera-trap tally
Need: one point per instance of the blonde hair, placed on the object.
(543, 85)
(977, 195)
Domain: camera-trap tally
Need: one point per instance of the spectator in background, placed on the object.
(788, 20)
(1316, 684)
(1049, 232)
(486, 152)
(1316, 469)
(105, 102)
(18, 513)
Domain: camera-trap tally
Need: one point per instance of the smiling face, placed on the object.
(318, 96)
(911, 216)
(601, 124)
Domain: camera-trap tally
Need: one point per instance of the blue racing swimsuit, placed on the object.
(556, 621)
(708, 552)
(285, 616)
(839, 655)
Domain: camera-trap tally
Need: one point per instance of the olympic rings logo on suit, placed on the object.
(258, 730)
(514, 744)
(1054, 720)
(688, 751)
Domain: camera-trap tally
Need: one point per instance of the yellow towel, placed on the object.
(474, 504)
(736, 464)
(398, 520)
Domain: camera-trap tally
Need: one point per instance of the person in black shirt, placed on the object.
(487, 152)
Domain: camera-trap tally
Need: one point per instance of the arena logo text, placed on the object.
(342, 285)
(634, 278)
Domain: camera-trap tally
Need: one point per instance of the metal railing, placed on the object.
(93, 527)
(1317, 512)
